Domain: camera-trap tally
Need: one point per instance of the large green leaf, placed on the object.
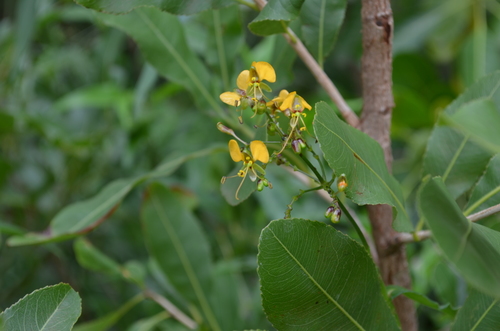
(455, 157)
(178, 7)
(353, 153)
(176, 241)
(275, 17)
(52, 308)
(479, 119)
(82, 217)
(480, 312)
(160, 37)
(321, 21)
(486, 192)
(106, 322)
(316, 278)
(474, 249)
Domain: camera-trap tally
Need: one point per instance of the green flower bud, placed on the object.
(329, 211)
(296, 146)
(335, 218)
(260, 185)
(222, 128)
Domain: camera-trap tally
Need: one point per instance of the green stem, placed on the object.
(320, 178)
(289, 209)
(355, 225)
(480, 201)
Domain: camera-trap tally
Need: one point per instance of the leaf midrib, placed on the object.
(178, 58)
(185, 263)
(316, 283)
(396, 199)
(483, 316)
(54, 312)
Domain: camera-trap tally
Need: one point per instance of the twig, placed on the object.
(172, 309)
(408, 238)
(318, 73)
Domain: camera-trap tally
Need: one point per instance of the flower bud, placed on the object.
(329, 211)
(335, 217)
(296, 146)
(260, 185)
(271, 129)
(261, 106)
(222, 128)
(244, 102)
(342, 183)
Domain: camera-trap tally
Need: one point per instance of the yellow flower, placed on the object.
(231, 98)
(278, 101)
(259, 71)
(258, 152)
(293, 106)
(295, 103)
(250, 85)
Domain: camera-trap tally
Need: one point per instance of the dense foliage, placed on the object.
(111, 166)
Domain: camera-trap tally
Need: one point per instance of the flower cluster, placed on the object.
(250, 93)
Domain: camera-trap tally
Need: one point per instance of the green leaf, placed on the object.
(54, 308)
(177, 242)
(149, 323)
(479, 119)
(353, 153)
(455, 157)
(316, 278)
(321, 22)
(91, 258)
(480, 312)
(394, 291)
(231, 185)
(160, 37)
(224, 297)
(178, 7)
(275, 17)
(107, 321)
(82, 217)
(472, 248)
(486, 192)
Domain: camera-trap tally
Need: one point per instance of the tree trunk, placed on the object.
(376, 65)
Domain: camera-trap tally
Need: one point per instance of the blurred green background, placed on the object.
(80, 107)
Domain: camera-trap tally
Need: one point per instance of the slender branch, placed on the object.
(318, 73)
(408, 238)
(171, 309)
(484, 213)
(325, 196)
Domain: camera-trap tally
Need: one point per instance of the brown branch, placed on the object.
(408, 238)
(318, 73)
(376, 77)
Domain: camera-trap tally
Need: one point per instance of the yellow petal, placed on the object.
(243, 80)
(231, 98)
(304, 103)
(234, 150)
(288, 102)
(283, 95)
(265, 71)
(259, 151)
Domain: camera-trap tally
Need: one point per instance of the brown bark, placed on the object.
(376, 65)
